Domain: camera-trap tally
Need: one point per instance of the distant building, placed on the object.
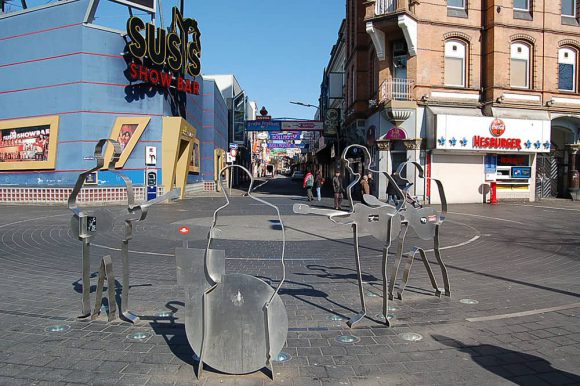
(472, 96)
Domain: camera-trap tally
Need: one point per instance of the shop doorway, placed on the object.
(549, 175)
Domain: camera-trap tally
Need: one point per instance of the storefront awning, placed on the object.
(471, 112)
(534, 115)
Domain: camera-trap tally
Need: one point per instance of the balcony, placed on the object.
(386, 7)
(396, 90)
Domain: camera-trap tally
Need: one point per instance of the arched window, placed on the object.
(520, 65)
(567, 69)
(455, 67)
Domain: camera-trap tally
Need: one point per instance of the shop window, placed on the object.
(523, 9)
(455, 63)
(520, 65)
(457, 8)
(567, 69)
(570, 12)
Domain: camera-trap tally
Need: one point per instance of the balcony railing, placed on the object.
(396, 89)
(383, 7)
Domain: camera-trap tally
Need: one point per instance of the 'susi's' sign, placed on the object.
(170, 54)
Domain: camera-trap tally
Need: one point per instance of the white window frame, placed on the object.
(461, 53)
(523, 9)
(526, 54)
(572, 59)
(574, 7)
(455, 7)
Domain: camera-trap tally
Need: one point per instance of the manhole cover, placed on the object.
(283, 357)
(411, 336)
(347, 339)
(140, 335)
(468, 301)
(58, 328)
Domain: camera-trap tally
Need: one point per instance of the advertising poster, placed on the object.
(25, 144)
(126, 133)
(195, 164)
(28, 143)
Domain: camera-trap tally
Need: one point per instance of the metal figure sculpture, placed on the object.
(235, 323)
(380, 222)
(84, 225)
(425, 221)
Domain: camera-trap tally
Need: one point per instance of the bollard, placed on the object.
(493, 193)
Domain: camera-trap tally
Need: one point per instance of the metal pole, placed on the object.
(2, 6)
(181, 7)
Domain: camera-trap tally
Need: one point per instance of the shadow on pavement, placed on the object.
(517, 367)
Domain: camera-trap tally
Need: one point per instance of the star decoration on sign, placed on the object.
(453, 141)
(528, 144)
(463, 142)
(442, 141)
(547, 144)
(537, 144)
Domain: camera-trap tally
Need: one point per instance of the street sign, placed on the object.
(233, 145)
(263, 125)
(150, 156)
(264, 118)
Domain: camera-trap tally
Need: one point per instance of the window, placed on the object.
(520, 65)
(567, 69)
(569, 8)
(455, 63)
(456, 4)
(522, 5)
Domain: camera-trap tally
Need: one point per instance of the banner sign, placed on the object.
(284, 136)
(285, 145)
(263, 126)
(302, 125)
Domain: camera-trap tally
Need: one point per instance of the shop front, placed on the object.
(473, 154)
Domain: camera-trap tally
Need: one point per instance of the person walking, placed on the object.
(318, 182)
(308, 183)
(338, 189)
(365, 187)
(371, 183)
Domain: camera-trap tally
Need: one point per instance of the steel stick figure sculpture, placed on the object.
(380, 222)
(86, 224)
(235, 323)
(425, 221)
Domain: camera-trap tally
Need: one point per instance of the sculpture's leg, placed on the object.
(441, 263)
(358, 317)
(429, 272)
(108, 263)
(410, 257)
(385, 281)
(99, 292)
(402, 235)
(127, 314)
(204, 328)
(269, 353)
(86, 275)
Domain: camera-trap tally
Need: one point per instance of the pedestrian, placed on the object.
(338, 189)
(364, 184)
(308, 183)
(371, 183)
(318, 182)
(392, 193)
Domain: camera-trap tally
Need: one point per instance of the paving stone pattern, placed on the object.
(510, 258)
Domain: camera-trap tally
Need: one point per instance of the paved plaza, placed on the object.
(513, 316)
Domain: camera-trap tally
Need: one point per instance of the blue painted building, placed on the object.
(56, 65)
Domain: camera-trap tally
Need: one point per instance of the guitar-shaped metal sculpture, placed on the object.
(235, 323)
(378, 221)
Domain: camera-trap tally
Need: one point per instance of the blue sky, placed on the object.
(276, 49)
